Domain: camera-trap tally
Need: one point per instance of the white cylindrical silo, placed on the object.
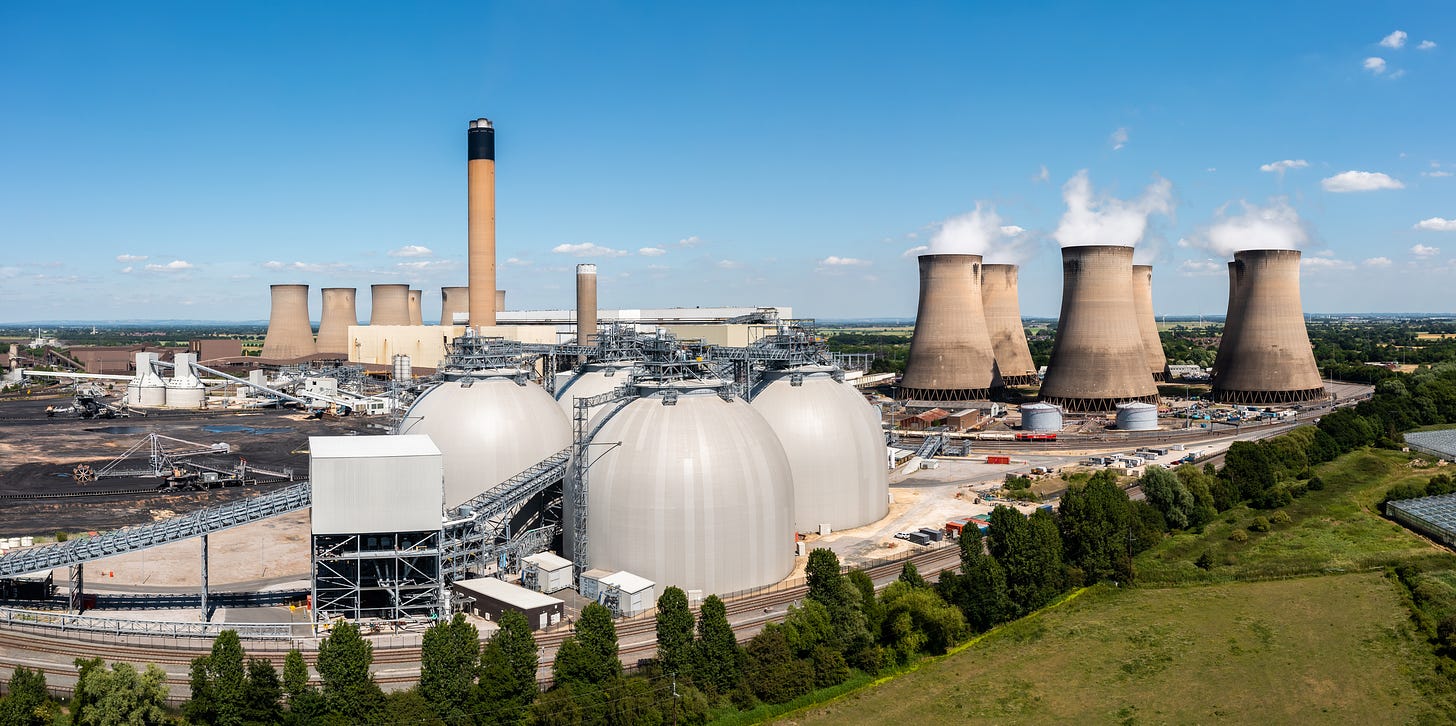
(488, 431)
(695, 491)
(1041, 417)
(835, 446)
(146, 390)
(1137, 416)
(184, 390)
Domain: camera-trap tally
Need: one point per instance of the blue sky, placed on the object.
(172, 160)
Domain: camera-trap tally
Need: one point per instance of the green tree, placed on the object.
(918, 620)
(1032, 561)
(717, 667)
(1247, 467)
(980, 591)
(295, 675)
(228, 678)
(590, 654)
(120, 696)
(1166, 492)
(263, 698)
(911, 576)
(201, 708)
(343, 664)
(412, 707)
(508, 662)
(808, 626)
(826, 582)
(27, 703)
(869, 605)
(449, 658)
(1096, 522)
(830, 668)
(675, 633)
(772, 671)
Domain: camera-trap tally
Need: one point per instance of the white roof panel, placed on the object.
(628, 582)
(507, 593)
(548, 561)
(353, 447)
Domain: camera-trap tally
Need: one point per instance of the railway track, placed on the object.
(21, 646)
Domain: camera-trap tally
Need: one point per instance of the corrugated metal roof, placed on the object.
(507, 593)
(548, 561)
(628, 582)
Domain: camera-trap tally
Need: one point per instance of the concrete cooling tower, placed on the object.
(389, 305)
(1230, 320)
(1265, 356)
(454, 302)
(1002, 305)
(1098, 359)
(480, 168)
(290, 334)
(1142, 280)
(500, 301)
(951, 359)
(694, 491)
(416, 313)
(835, 446)
(339, 314)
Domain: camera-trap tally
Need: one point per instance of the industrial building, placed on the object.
(490, 598)
(1098, 358)
(951, 357)
(1265, 356)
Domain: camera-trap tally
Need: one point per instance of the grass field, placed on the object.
(1325, 649)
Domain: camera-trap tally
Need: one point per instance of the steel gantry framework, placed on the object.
(477, 532)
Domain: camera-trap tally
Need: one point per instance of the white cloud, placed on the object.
(1394, 40)
(411, 251)
(1436, 174)
(1425, 251)
(1326, 263)
(1375, 64)
(651, 251)
(728, 264)
(128, 268)
(833, 261)
(1201, 267)
(1108, 220)
(1378, 262)
(587, 249)
(1437, 224)
(915, 251)
(1118, 139)
(273, 265)
(692, 241)
(416, 265)
(128, 259)
(173, 266)
(1426, 45)
(518, 262)
(659, 268)
(1279, 167)
(1360, 181)
(1011, 230)
(979, 232)
(1042, 175)
(1273, 227)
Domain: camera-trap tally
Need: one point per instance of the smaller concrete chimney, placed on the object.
(586, 303)
(416, 314)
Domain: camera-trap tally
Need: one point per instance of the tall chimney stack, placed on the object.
(481, 254)
(951, 358)
(416, 313)
(586, 303)
(1097, 358)
(290, 334)
(1265, 356)
(389, 305)
(339, 314)
(1002, 305)
(454, 301)
(1142, 280)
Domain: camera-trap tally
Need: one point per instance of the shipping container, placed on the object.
(998, 460)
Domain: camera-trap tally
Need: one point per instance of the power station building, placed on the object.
(1265, 356)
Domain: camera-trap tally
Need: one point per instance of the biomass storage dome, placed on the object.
(593, 379)
(1041, 417)
(697, 494)
(488, 430)
(835, 446)
(1137, 416)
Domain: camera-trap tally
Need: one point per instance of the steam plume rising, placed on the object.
(980, 232)
(1105, 220)
(1274, 227)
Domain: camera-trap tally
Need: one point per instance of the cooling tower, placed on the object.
(1265, 352)
(290, 334)
(1142, 280)
(500, 301)
(339, 314)
(586, 303)
(454, 301)
(1097, 357)
(951, 358)
(1002, 305)
(389, 305)
(1230, 319)
(481, 223)
(416, 313)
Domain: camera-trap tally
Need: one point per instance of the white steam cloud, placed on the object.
(979, 232)
(1273, 227)
(1106, 220)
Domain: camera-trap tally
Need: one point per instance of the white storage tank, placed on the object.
(184, 390)
(1137, 416)
(1041, 417)
(593, 379)
(146, 390)
(488, 429)
(834, 443)
(695, 491)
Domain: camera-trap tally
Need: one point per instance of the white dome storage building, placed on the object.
(593, 379)
(488, 429)
(698, 493)
(834, 444)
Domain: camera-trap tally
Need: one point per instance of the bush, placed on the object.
(1239, 535)
(1315, 484)
(1272, 498)
(1204, 562)
(62, 536)
(1259, 524)
(1280, 517)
